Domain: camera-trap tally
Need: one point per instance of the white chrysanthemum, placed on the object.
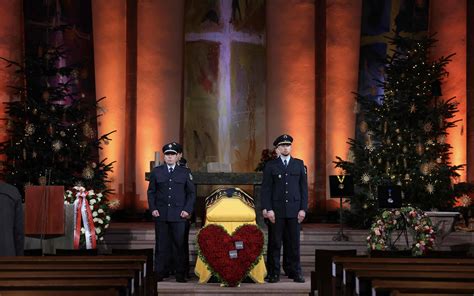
(92, 201)
(97, 230)
(91, 192)
(95, 219)
(106, 226)
(99, 194)
(100, 221)
(83, 230)
(107, 217)
(94, 214)
(91, 207)
(100, 211)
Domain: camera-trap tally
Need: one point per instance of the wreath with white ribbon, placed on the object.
(414, 220)
(91, 216)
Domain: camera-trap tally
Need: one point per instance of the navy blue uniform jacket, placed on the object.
(285, 190)
(171, 194)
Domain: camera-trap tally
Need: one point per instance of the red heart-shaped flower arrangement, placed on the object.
(215, 243)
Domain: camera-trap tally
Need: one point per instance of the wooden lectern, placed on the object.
(44, 211)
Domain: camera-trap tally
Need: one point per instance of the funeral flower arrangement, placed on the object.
(230, 258)
(416, 222)
(91, 216)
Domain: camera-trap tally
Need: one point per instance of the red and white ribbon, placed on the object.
(83, 215)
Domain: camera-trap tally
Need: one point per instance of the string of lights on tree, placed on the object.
(51, 126)
(403, 134)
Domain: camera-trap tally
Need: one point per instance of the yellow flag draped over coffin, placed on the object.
(230, 213)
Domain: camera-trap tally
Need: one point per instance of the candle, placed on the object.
(157, 158)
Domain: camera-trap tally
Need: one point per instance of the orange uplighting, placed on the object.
(342, 63)
(11, 47)
(160, 70)
(448, 21)
(109, 56)
(291, 79)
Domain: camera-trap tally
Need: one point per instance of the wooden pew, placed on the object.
(340, 276)
(150, 284)
(134, 264)
(397, 293)
(46, 292)
(73, 275)
(82, 285)
(321, 279)
(82, 262)
(364, 278)
(386, 287)
(349, 280)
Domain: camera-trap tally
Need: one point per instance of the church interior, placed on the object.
(377, 97)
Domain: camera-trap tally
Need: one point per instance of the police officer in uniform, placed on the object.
(171, 197)
(285, 198)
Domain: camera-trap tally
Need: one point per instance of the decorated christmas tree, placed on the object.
(52, 126)
(402, 134)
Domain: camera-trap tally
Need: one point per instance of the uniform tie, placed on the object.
(171, 170)
(285, 163)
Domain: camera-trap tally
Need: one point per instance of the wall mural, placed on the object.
(224, 96)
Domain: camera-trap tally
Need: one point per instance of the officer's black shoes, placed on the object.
(181, 278)
(273, 279)
(298, 278)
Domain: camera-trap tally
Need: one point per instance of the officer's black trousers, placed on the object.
(278, 229)
(270, 263)
(165, 233)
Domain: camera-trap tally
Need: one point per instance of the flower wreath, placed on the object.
(417, 223)
(91, 216)
(215, 247)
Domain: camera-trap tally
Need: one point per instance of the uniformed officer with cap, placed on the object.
(171, 197)
(285, 198)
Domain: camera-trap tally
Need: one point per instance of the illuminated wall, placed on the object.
(342, 61)
(448, 21)
(109, 25)
(291, 79)
(160, 70)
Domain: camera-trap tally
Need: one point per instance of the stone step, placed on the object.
(284, 287)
